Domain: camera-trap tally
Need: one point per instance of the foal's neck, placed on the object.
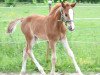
(56, 15)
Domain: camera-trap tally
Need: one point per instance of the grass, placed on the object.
(84, 41)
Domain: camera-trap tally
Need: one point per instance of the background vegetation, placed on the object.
(12, 2)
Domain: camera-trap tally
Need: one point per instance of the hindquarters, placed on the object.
(26, 29)
(34, 25)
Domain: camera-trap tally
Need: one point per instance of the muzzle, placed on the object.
(64, 19)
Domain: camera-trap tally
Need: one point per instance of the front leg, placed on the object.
(53, 57)
(70, 53)
(47, 52)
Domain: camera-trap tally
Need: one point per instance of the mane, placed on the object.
(55, 8)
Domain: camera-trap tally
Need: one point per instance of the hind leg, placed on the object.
(31, 54)
(28, 51)
(25, 55)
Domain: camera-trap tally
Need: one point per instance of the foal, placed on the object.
(51, 28)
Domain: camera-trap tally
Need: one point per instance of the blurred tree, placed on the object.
(10, 2)
(73, 1)
(45, 1)
(55, 0)
(40, 1)
(34, 1)
(25, 0)
(1, 0)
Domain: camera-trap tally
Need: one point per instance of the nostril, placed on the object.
(70, 28)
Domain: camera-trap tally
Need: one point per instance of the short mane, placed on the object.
(55, 8)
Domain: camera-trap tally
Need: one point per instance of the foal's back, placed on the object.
(35, 25)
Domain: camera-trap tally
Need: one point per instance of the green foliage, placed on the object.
(25, 0)
(40, 1)
(34, 1)
(1, 0)
(88, 1)
(55, 0)
(45, 1)
(10, 2)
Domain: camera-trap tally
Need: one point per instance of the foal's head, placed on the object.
(67, 14)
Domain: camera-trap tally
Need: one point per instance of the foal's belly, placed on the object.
(41, 36)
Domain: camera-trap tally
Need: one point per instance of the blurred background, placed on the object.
(13, 2)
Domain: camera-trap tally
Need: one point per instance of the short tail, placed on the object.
(13, 24)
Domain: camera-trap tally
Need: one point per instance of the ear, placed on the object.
(63, 5)
(73, 5)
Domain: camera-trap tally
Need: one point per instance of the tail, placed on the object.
(13, 24)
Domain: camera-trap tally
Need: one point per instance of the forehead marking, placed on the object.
(70, 12)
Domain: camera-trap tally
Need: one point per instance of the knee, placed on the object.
(54, 59)
(28, 52)
(25, 53)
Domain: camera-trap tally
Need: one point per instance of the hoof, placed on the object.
(22, 73)
(52, 73)
(43, 74)
(80, 73)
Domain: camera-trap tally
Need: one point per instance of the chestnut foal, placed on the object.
(51, 28)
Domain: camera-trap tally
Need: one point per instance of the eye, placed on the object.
(65, 14)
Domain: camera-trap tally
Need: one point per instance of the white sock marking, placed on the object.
(70, 52)
(24, 61)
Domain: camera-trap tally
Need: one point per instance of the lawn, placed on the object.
(84, 41)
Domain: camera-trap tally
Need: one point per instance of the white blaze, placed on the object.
(71, 18)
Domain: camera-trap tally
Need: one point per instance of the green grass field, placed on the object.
(84, 41)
